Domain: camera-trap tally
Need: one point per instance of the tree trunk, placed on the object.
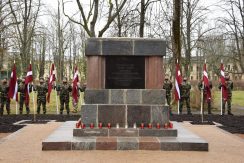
(142, 18)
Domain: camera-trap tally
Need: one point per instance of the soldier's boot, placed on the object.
(189, 111)
(44, 110)
(209, 109)
(20, 111)
(61, 112)
(8, 111)
(27, 110)
(1, 111)
(38, 110)
(229, 113)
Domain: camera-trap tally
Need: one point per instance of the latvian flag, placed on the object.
(28, 80)
(222, 80)
(75, 85)
(13, 85)
(206, 81)
(178, 81)
(51, 79)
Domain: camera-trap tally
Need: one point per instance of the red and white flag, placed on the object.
(222, 80)
(75, 85)
(206, 82)
(51, 79)
(13, 85)
(178, 81)
(28, 80)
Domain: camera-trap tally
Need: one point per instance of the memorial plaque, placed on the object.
(125, 72)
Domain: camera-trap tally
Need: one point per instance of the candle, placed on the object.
(91, 125)
(100, 125)
(83, 126)
(134, 126)
(109, 125)
(149, 125)
(158, 126)
(117, 125)
(142, 125)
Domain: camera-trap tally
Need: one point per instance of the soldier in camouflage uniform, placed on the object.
(205, 96)
(42, 90)
(64, 93)
(5, 100)
(185, 88)
(229, 87)
(21, 89)
(75, 104)
(168, 87)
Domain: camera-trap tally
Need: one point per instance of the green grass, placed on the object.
(51, 107)
(237, 98)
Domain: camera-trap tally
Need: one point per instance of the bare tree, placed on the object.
(26, 12)
(90, 19)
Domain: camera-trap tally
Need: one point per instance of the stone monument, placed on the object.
(124, 90)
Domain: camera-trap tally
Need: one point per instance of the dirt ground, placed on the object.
(25, 146)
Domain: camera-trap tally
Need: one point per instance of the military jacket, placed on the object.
(168, 87)
(4, 91)
(185, 89)
(205, 88)
(41, 91)
(64, 91)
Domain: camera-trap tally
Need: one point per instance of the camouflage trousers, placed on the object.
(21, 106)
(62, 103)
(187, 100)
(207, 104)
(228, 101)
(5, 101)
(39, 103)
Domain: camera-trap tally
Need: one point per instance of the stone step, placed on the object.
(63, 139)
(125, 132)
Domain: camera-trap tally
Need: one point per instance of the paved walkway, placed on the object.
(25, 146)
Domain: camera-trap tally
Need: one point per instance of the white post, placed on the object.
(56, 99)
(16, 106)
(202, 100)
(221, 101)
(178, 107)
(34, 106)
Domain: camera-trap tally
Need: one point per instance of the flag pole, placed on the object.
(16, 102)
(56, 98)
(202, 91)
(33, 97)
(221, 96)
(178, 106)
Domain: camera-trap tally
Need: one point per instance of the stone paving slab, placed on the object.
(62, 139)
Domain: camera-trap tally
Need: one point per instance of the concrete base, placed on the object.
(63, 139)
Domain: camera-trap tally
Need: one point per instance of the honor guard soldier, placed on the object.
(206, 94)
(185, 89)
(229, 88)
(21, 90)
(4, 99)
(42, 90)
(168, 87)
(64, 94)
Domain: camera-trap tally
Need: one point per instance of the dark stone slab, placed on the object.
(105, 143)
(99, 96)
(127, 143)
(149, 143)
(129, 132)
(133, 96)
(193, 144)
(138, 114)
(117, 47)
(125, 72)
(169, 144)
(90, 132)
(111, 114)
(158, 132)
(149, 47)
(93, 47)
(117, 96)
(89, 114)
(153, 96)
(83, 143)
(58, 145)
(160, 114)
